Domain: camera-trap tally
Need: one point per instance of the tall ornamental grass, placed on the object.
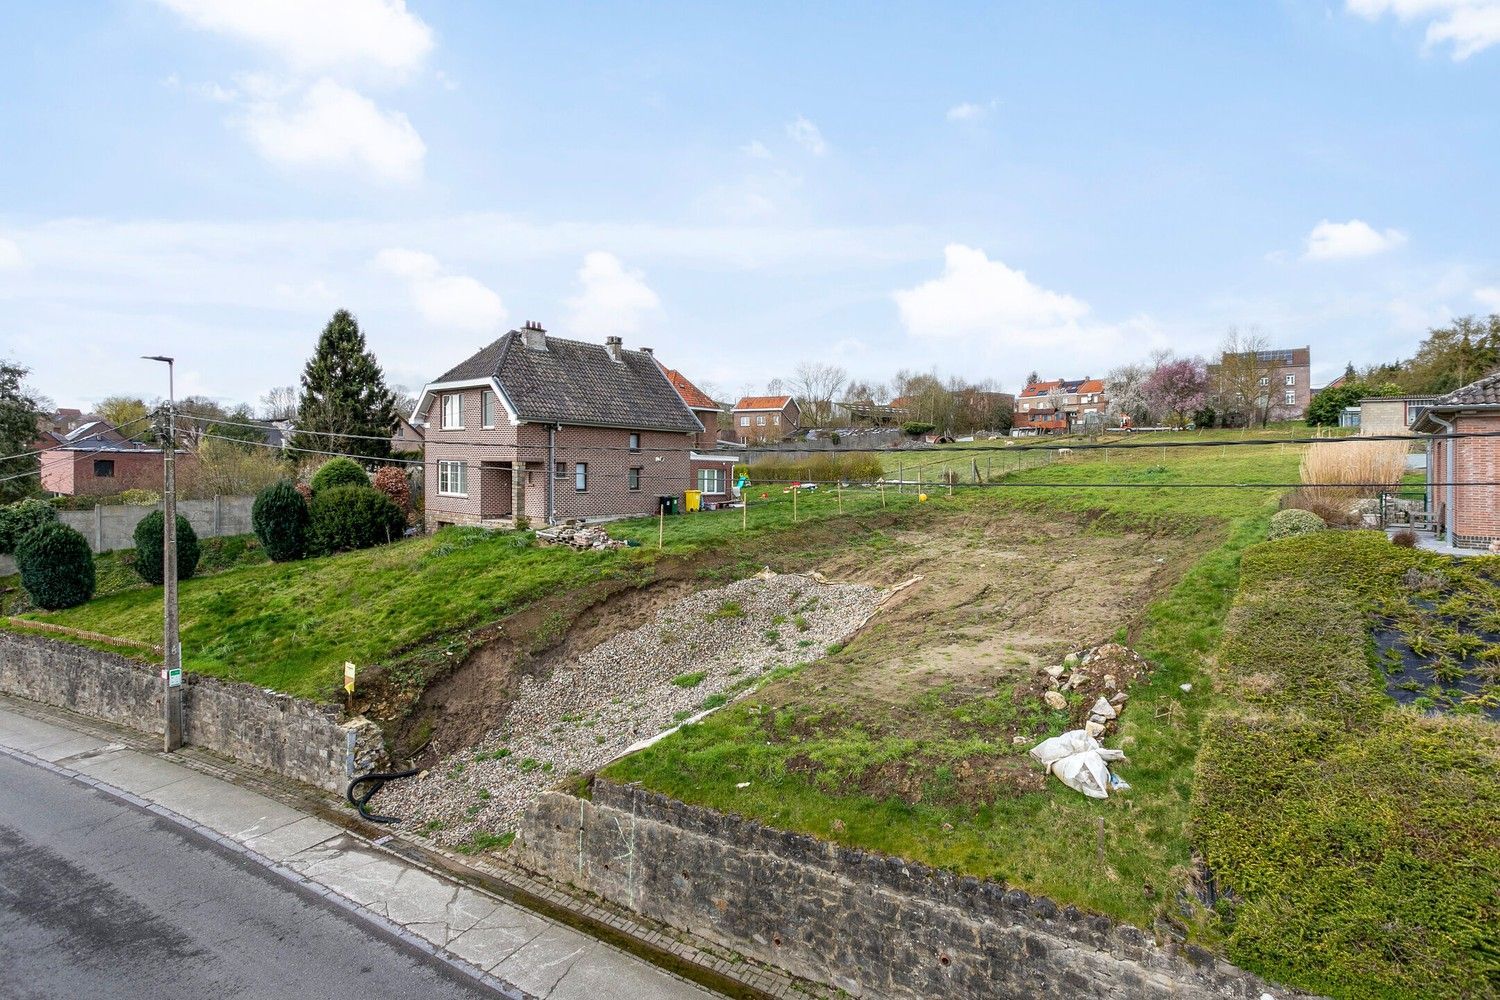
(1341, 471)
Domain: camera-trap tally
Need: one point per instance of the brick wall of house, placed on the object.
(1476, 509)
(662, 461)
(778, 424)
(76, 473)
(473, 445)
(708, 438)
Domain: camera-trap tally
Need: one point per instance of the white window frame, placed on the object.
(457, 423)
(719, 481)
(453, 478)
(760, 420)
(487, 408)
(1265, 380)
(633, 478)
(1290, 396)
(581, 477)
(635, 440)
(745, 420)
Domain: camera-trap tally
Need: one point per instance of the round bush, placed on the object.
(354, 517)
(150, 540)
(1293, 522)
(280, 520)
(339, 472)
(57, 568)
(17, 519)
(392, 481)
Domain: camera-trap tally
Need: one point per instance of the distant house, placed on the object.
(1389, 414)
(407, 436)
(1283, 383)
(1057, 406)
(712, 461)
(552, 429)
(1468, 515)
(95, 459)
(758, 419)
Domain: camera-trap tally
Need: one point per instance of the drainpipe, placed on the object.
(552, 474)
(1448, 471)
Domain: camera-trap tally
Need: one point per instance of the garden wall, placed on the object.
(112, 526)
(289, 736)
(875, 926)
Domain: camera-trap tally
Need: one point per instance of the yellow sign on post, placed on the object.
(348, 677)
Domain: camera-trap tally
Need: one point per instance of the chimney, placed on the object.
(647, 350)
(614, 345)
(534, 336)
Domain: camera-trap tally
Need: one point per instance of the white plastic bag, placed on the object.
(1079, 762)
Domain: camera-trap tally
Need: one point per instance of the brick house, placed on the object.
(758, 419)
(1283, 379)
(94, 459)
(1468, 516)
(1057, 406)
(712, 461)
(1391, 414)
(552, 429)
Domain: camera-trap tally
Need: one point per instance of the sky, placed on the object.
(977, 189)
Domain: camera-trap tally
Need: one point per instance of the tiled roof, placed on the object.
(572, 382)
(693, 396)
(1485, 392)
(1065, 385)
(1092, 385)
(762, 402)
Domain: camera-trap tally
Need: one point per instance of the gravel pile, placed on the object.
(696, 654)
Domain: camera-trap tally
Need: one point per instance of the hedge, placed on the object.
(339, 472)
(354, 517)
(150, 540)
(281, 522)
(19, 518)
(57, 567)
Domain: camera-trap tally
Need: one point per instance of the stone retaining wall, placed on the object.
(875, 926)
(289, 736)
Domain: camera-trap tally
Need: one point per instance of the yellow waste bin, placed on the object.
(694, 500)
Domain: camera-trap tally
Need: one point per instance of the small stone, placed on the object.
(838, 826)
(1055, 700)
(743, 784)
(1019, 741)
(1185, 687)
(1093, 728)
(1070, 660)
(1098, 719)
(1103, 708)
(1056, 670)
(1119, 699)
(1109, 682)
(948, 827)
(1078, 679)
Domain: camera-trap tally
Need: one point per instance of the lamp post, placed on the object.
(171, 673)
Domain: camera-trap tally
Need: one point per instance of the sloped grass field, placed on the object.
(1359, 841)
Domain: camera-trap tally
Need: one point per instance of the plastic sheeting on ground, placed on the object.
(1080, 762)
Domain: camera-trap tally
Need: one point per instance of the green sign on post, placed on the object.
(173, 676)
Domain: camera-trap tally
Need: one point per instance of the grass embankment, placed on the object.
(1125, 856)
(291, 626)
(1360, 841)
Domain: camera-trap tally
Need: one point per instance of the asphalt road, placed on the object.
(101, 899)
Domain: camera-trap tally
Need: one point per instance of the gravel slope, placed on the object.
(695, 653)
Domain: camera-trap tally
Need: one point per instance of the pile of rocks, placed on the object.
(1103, 671)
(693, 655)
(579, 536)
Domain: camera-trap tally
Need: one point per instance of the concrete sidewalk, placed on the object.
(514, 950)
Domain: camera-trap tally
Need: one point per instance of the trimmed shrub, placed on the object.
(354, 517)
(280, 520)
(1406, 538)
(1293, 522)
(150, 539)
(17, 520)
(140, 498)
(917, 427)
(391, 480)
(339, 472)
(57, 568)
(827, 467)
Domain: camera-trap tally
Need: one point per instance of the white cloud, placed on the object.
(807, 135)
(357, 35)
(1469, 26)
(755, 149)
(450, 301)
(1488, 297)
(332, 126)
(1355, 238)
(11, 257)
(612, 299)
(976, 296)
(967, 112)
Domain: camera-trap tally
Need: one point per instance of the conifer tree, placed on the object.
(344, 392)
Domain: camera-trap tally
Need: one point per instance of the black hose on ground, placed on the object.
(376, 781)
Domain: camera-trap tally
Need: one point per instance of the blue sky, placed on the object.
(980, 189)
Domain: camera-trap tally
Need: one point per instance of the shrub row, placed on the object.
(831, 466)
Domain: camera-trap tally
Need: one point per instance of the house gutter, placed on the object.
(551, 479)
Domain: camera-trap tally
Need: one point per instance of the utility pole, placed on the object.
(171, 673)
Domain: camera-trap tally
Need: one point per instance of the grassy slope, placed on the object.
(1050, 841)
(291, 626)
(1362, 838)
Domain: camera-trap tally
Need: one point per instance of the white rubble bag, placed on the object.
(1079, 762)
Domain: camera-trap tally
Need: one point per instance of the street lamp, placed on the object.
(171, 673)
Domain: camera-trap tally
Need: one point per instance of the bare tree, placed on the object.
(816, 385)
(1241, 380)
(279, 403)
